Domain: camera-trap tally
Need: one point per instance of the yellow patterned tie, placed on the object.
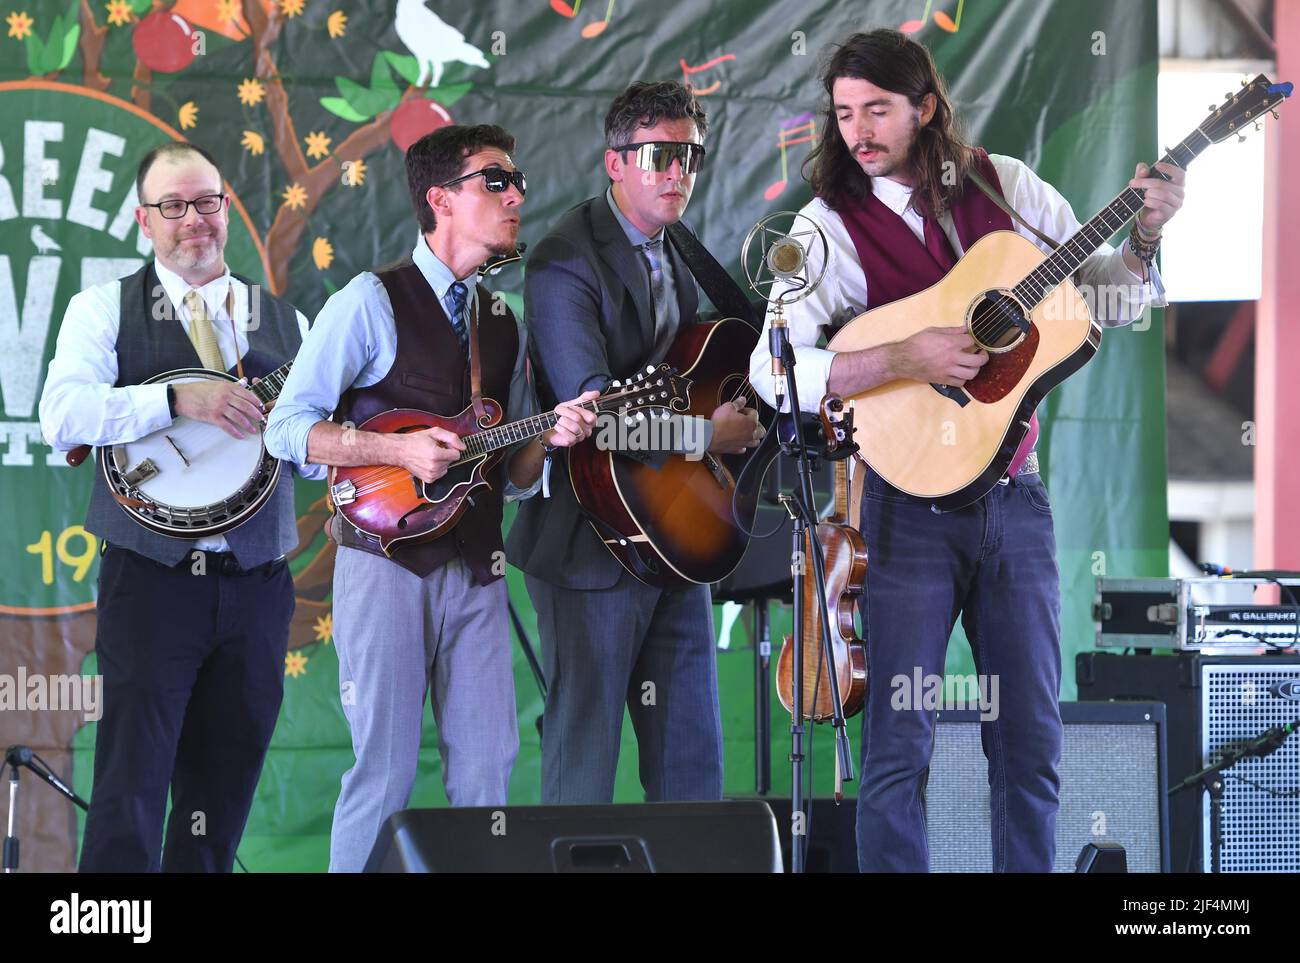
(202, 336)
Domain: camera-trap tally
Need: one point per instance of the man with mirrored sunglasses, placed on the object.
(605, 294)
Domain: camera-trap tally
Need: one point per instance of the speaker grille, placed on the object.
(1110, 792)
(1261, 831)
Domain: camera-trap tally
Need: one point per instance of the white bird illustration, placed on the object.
(44, 243)
(433, 42)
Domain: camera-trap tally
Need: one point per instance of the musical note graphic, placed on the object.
(941, 19)
(687, 70)
(596, 28)
(564, 10)
(799, 130)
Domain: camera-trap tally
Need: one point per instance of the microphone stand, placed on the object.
(1211, 779)
(16, 757)
(805, 528)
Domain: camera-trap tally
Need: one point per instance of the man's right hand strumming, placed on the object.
(941, 356)
(428, 454)
(230, 406)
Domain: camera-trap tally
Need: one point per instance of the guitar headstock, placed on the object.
(658, 388)
(1244, 108)
(497, 261)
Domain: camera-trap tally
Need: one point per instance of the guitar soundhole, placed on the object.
(997, 322)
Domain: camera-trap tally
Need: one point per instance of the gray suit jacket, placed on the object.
(587, 306)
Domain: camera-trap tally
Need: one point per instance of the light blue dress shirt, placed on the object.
(353, 344)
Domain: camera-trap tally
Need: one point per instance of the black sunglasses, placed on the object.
(658, 155)
(176, 208)
(495, 179)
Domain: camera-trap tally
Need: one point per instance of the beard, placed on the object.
(188, 256)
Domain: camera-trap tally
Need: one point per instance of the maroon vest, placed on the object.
(897, 264)
(431, 373)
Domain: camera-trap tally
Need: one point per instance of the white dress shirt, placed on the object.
(842, 294)
(79, 403)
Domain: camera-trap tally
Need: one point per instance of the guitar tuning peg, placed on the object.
(1258, 125)
(649, 369)
(1275, 115)
(615, 383)
(1240, 138)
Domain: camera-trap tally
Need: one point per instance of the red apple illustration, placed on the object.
(164, 42)
(414, 118)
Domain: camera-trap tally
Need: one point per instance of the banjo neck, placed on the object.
(269, 387)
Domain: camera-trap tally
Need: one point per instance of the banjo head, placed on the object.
(195, 479)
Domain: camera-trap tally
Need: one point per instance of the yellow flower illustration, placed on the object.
(337, 24)
(20, 25)
(119, 12)
(295, 195)
(227, 11)
(323, 250)
(354, 173)
(291, 8)
(295, 664)
(253, 142)
(188, 115)
(251, 92)
(318, 145)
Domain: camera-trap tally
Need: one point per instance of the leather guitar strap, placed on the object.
(721, 289)
(1000, 201)
(475, 369)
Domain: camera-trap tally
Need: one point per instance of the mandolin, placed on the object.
(392, 505)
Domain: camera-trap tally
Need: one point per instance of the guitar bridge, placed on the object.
(343, 493)
(140, 473)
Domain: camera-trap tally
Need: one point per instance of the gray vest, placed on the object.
(148, 346)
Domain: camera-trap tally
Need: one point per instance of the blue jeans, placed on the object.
(994, 562)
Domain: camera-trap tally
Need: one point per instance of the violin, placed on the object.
(845, 554)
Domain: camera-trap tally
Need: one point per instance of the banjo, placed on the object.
(191, 479)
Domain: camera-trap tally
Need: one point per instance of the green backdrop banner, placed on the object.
(308, 104)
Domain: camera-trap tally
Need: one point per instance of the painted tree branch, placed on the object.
(290, 223)
(92, 49)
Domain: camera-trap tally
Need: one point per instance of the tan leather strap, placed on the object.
(475, 369)
(1001, 202)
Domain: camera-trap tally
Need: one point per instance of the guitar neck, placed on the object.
(269, 387)
(1084, 243)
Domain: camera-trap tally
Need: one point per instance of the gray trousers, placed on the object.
(398, 638)
(633, 645)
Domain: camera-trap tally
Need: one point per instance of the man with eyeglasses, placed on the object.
(434, 615)
(191, 634)
(605, 294)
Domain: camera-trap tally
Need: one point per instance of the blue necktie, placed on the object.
(653, 251)
(459, 295)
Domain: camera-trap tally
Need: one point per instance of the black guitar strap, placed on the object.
(726, 295)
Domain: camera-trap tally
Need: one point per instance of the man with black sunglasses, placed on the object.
(433, 616)
(605, 294)
(191, 634)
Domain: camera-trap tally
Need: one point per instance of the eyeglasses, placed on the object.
(176, 208)
(658, 155)
(495, 179)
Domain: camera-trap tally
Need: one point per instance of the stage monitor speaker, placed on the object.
(1215, 700)
(717, 837)
(1113, 784)
(833, 835)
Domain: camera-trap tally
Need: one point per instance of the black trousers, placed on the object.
(192, 660)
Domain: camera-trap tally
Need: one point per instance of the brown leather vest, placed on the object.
(431, 373)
